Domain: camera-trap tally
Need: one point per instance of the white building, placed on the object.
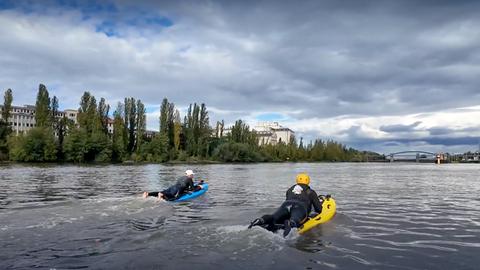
(268, 133)
(273, 133)
(71, 115)
(226, 131)
(22, 118)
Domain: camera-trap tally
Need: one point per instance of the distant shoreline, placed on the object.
(211, 162)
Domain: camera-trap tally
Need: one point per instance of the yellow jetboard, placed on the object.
(329, 208)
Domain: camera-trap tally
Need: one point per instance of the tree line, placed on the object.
(97, 137)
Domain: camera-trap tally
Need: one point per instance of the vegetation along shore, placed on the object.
(95, 135)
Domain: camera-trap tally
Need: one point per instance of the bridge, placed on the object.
(416, 156)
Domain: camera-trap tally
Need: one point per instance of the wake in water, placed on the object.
(147, 223)
(390, 217)
(87, 211)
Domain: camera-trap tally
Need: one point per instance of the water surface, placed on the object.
(389, 216)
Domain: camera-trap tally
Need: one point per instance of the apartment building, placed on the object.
(22, 118)
(272, 133)
(267, 133)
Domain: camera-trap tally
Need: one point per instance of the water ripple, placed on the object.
(390, 216)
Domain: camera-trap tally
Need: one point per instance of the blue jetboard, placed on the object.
(194, 194)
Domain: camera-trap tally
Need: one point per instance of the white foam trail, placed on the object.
(232, 228)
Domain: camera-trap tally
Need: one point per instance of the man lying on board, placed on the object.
(183, 185)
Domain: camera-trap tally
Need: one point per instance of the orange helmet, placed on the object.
(303, 178)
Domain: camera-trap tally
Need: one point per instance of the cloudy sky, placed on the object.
(374, 75)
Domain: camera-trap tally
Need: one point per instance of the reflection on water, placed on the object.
(390, 216)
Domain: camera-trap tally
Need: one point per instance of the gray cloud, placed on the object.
(432, 144)
(400, 128)
(443, 131)
(440, 131)
(315, 59)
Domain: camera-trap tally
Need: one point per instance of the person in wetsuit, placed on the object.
(183, 185)
(295, 210)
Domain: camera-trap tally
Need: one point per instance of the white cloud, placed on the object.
(331, 70)
(153, 119)
(460, 122)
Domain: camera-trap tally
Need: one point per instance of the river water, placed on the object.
(389, 216)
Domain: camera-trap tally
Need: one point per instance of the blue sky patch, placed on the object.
(88, 7)
(158, 20)
(107, 27)
(270, 117)
(151, 109)
(6, 4)
(112, 17)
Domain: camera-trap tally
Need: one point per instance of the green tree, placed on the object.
(90, 141)
(93, 119)
(119, 134)
(197, 130)
(204, 131)
(59, 126)
(75, 145)
(294, 151)
(333, 151)
(317, 150)
(130, 123)
(188, 125)
(64, 124)
(82, 146)
(103, 110)
(42, 108)
(156, 150)
(167, 118)
(82, 116)
(54, 115)
(141, 127)
(99, 148)
(177, 130)
(237, 152)
(7, 105)
(38, 145)
(164, 108)
(240, 133)
(219, 129)
(88, 116)
(5, 127)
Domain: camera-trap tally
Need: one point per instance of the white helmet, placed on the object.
(189, 172)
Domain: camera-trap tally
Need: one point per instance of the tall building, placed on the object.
(273, 133)
(22, 118)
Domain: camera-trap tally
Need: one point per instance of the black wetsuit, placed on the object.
(183, 185)
(296, 208)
